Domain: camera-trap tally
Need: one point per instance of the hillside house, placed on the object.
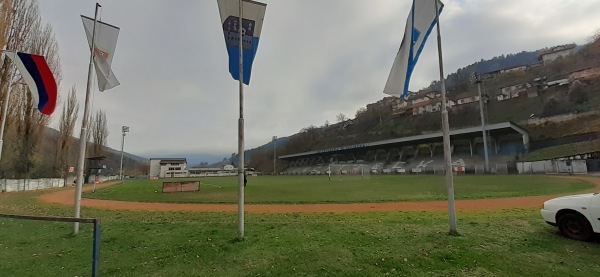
(425, 102)
(512, 91)
(556, 52)
(560, 82)
(520, 68)
(467, 99)
(489, 75)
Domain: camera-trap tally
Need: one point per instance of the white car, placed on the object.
(577, 216)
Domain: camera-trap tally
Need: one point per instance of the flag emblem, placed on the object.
(104, 48)
(252, 20)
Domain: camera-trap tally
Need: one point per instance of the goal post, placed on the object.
(479, 169)
(339, 170)
(502, 169)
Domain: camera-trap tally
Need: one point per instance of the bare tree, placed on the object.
(99, 133)
(5, 19)
(25, 33)
(595, 36)
(66, 127)
(341, 117)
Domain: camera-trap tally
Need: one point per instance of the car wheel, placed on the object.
(575, 226)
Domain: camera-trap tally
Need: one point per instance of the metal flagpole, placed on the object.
(84, 126)
(241, 171)
(446, 131)
(4, 112)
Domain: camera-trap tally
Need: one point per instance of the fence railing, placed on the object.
(95, 221)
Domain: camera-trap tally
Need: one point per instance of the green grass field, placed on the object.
(318, 189)
(508, 242)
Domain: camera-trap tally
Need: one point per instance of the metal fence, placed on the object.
(95, 221)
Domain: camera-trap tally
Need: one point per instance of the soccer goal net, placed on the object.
(479, 169)
(502, 169)
(338, 171)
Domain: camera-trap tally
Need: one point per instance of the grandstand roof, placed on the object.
(504, 128)
(563, 151)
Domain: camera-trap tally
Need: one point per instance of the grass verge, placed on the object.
(512, 242)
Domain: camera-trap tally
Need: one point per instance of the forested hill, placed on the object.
(387, 118)
(462, 75)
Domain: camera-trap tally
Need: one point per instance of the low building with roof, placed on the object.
(168, 167)
(556, 52)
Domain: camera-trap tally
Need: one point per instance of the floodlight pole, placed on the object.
(84, 126)
(483, 131)
(124, 129)
(446, 131)
(274, 155)
(241, 171)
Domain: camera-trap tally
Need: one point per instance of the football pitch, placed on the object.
(344, 189)
(502, 242)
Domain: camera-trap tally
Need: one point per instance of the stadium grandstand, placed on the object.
(420, 154)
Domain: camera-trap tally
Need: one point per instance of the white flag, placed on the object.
(104, 50)
(419, 24)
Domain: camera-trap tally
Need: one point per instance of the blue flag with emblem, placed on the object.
(251, 24)
(419, 24)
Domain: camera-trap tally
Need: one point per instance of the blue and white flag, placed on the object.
(252, 21)
(419, 24)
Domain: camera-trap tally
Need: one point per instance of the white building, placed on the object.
(168, 167)
(226, 170)
(556, 52)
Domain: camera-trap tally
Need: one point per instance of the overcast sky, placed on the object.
(316, 59)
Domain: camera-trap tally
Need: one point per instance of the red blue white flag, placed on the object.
(38, 76)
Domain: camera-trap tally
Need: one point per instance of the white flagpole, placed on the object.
(84, 126)
(241, 171)
(5, 111)
(446, 131)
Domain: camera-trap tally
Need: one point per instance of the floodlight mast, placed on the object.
(475, 78)
(274, 155)
(124, 129)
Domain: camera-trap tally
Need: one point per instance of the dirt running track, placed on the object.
(66, 197)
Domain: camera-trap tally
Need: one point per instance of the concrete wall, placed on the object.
(553, 166)
(559, 118)
(30, 184)
(8, 185)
